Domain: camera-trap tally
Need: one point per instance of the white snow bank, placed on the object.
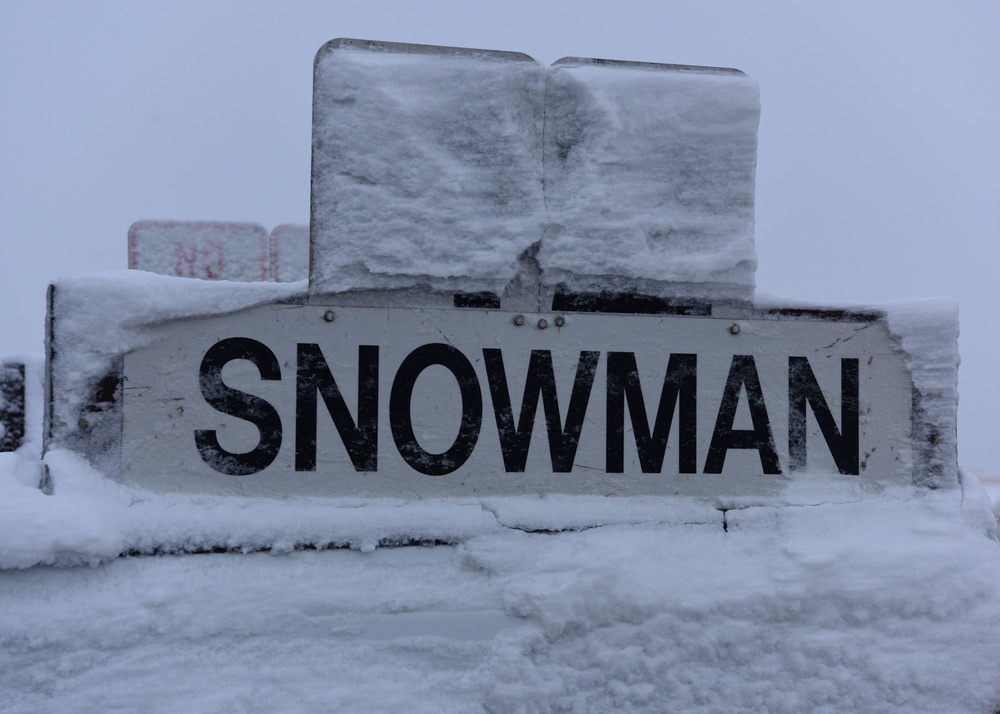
(89, 518)
(440, 167)
(887, 605)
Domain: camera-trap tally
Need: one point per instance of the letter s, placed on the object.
(241, 405)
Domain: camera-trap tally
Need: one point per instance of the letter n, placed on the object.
(313, 376)
(843, 443)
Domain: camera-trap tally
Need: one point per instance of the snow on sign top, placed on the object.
(441, 167)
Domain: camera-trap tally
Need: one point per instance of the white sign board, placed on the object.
(322, 400)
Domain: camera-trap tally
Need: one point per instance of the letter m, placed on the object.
(679, 388)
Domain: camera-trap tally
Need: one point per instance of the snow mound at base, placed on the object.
(890, 603)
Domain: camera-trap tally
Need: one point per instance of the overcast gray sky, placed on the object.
(877, 168)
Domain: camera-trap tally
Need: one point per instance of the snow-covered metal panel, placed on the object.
(649, 178)
(208, 250)
(283, 400)
(289, 244)
(425, 166)
(447, 168)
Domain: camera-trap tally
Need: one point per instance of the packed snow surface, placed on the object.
(887, 604)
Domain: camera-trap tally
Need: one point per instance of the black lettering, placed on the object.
(680, 384)
(239, 404)
(401, 421)
(540, 381)
(844, 444)
(742, 374)
(313, 376)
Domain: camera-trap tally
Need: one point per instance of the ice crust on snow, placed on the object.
(443, 168)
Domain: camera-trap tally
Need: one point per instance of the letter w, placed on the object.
(514, 440)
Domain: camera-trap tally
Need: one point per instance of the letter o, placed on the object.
(401, 422)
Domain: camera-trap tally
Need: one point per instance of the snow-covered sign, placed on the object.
(200, 249)
(283, 399)
(11, 405)
(289, 252)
